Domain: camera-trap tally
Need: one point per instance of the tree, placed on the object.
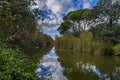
(105, 34)
(76, 21)
(108, 12)
(64, 27)
(108, 15)
(17, 22)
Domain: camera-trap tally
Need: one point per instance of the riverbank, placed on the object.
(86, 43)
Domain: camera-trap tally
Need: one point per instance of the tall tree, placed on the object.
(76, 21)
(108, 25)
(108, 11)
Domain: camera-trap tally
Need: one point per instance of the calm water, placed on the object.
(65, 65)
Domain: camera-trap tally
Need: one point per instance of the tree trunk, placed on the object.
(110, 23)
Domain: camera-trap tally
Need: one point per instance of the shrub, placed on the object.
(15, 66)
(117, 49)
(85, 43)
(102, 48)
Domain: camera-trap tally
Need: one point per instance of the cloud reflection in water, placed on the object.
(50, 68)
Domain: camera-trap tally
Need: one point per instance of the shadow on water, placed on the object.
(37, 54)
(64, 65)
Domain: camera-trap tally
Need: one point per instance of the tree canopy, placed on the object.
(18, 22)
(75, 22)
(108, 12)
(103, 20)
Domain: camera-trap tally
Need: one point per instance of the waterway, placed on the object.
(67, 65)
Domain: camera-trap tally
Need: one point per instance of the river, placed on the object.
(67, 65)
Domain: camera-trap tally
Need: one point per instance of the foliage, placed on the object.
(102, 48)
(18, 30)
(103, 33)
(15, 66)
(102, 20)
(95, 29)
(107, 26)
(18, 25)
(117, 49)
(64, 28)
(75, 22)
(35, 42)
(108, 12)
(85, 43)
(67, 43)
(43, 38)
(15, 21)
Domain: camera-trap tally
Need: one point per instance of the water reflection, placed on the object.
(83, 66)
(78, 66)
(88, 67)
(50, 68)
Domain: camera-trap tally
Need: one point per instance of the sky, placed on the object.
(55, 10)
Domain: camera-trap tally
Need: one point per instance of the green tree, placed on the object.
(16, 20)
(107, 16)
(105, 34)
(76, 21)
(108, 12)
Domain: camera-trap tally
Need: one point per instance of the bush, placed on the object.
(117, 49)
(85, 43)
(102, 48)
(81, 43)
(107, 50)
(97, 47)
(15, 66)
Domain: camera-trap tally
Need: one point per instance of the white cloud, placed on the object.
(54, 5)
(86, 5)
(58, 7)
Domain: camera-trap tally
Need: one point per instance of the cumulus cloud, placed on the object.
(54, 11)
(89, 3)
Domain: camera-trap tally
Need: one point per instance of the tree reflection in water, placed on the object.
(86, 66)
(78, 66)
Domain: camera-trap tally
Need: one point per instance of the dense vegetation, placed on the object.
(91, 30)
(18, 25)
(102, 22)
(83, 43)
(15, 66)
(18, 30)
(117, 49)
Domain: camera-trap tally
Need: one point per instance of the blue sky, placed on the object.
(55, 10)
